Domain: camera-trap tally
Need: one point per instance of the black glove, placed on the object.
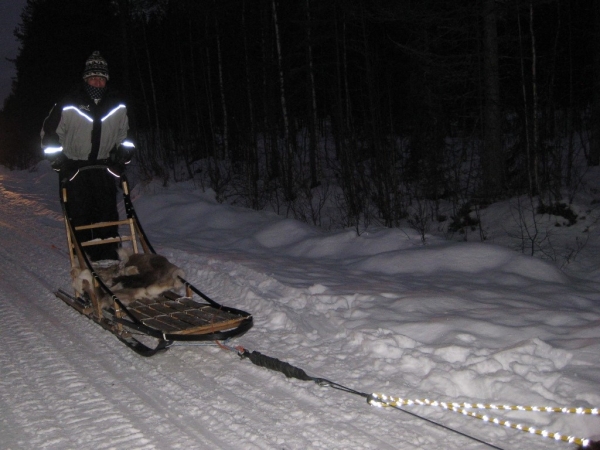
(58, 162)
(121, 155)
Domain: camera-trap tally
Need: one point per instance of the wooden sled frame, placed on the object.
(168, 317)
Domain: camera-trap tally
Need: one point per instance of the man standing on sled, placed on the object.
(90, 127)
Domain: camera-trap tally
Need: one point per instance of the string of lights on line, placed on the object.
(382, 400)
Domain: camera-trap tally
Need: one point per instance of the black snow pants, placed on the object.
(92, 199)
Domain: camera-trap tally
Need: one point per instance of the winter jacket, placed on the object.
(79, 129)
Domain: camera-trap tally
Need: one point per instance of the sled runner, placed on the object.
(112, 293)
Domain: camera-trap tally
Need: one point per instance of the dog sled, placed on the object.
(145, 318)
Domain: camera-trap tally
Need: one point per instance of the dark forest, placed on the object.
(375, 105)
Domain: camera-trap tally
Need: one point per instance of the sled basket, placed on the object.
(182, 316)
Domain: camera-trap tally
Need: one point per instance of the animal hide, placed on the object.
(145, 275)
(135, 276)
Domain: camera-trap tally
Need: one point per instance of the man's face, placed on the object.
(98, 82)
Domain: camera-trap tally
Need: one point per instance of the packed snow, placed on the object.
(380, 312)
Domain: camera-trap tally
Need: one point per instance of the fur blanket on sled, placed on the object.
(134, 276)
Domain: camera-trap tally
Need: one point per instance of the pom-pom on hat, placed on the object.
(95, 66)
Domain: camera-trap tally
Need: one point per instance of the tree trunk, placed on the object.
(535, 101)
(594, 158)
(527, 133)
(493, 157)
(287, 160)
(225, 130)
(313, 101)
(252, 166)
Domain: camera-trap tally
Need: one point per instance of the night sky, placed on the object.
(10, 16)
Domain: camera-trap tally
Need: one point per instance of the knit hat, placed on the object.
(95, 66)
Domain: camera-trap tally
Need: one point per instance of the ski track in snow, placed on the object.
(65, 383)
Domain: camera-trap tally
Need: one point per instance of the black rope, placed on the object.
(339, 387)
(271, 363)
(290, 371)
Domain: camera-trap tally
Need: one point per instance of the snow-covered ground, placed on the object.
(379, 312)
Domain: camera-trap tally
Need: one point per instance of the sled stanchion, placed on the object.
(132, 215)
(199, 293)
(130, 222)
(63, 193)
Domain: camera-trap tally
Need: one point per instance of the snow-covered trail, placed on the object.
(65, 383)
